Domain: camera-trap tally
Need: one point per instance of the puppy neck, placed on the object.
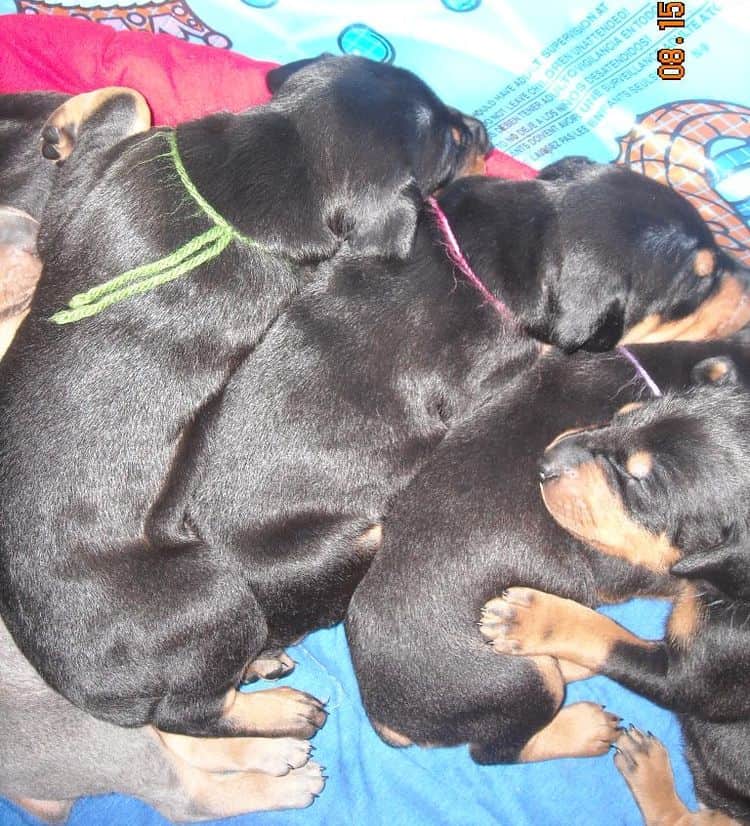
(253, 170)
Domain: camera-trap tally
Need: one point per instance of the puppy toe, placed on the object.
(520, 596)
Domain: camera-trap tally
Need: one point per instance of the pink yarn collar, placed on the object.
(459, 259)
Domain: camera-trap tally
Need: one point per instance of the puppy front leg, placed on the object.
(644, 764)
(528, 622)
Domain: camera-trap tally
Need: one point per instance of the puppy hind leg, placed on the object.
(109, 115)
(578, 730)
(544, 689)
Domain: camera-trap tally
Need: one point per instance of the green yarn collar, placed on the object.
(204, 247)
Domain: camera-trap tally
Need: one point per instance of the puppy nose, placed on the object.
(562, 458)
(479, 137)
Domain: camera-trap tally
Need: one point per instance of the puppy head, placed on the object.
(590, 255)
(664, 481)
(378, 141)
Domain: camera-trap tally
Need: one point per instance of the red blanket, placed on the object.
(180, 80)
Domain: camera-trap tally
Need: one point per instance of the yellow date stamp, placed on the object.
(671, 61)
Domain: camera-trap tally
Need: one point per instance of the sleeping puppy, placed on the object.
(173, 252)
(470, 523)
(675, 469)
(280, 487)
(52, 752)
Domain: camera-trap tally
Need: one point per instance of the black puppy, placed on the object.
(25, 181)
(471, 524)
(283, 482)
(223, 221)
(675, 470)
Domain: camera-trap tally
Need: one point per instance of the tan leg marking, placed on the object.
(391, 736)
(686, 617)
(724, 312)
(276, 712)
(53, 811)
(371, 540)
(578, 730)
(644, 763)
(269, 666)
(582, 502)
(526, 622)
(571, 672)
(226, 795)
(269, 755)
(61, 129)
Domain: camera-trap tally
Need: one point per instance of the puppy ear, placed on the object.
(385, 226)
(276, 78)
(566, 168)
(727, 568)
(719, 370)
(579, 323)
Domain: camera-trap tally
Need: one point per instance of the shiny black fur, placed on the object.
(697, 493)
(359, 381)
(26, 180)
(472, 524)
(94, 412)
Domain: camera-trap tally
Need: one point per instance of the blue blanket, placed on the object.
(573, 80)
(372, 784)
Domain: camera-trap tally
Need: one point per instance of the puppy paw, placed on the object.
(226, 795)
(644, 763)
(518, 622)
(278, 712)
(270, 665)
(275, 756)
(592, 728)
(577, 730)
(642, 759)
(299, 788)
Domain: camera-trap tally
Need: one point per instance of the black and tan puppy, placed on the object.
(223, 221)
(282, 484)
(52, 752)
(666, 483)
(471, 524)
